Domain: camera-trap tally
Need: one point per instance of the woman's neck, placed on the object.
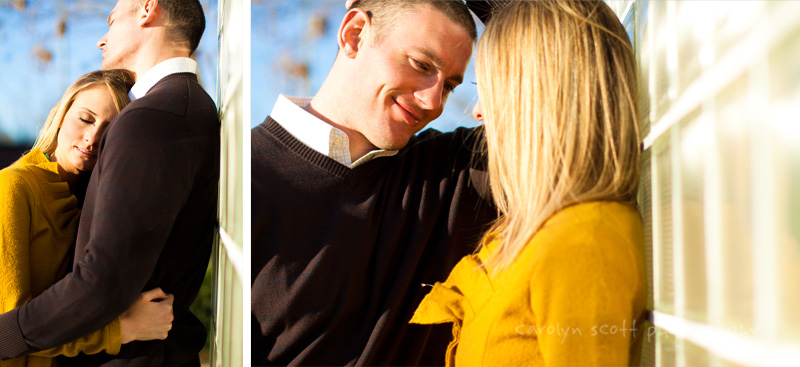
(71, 178)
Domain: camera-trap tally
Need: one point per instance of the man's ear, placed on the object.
(147, 13)
(352, 32)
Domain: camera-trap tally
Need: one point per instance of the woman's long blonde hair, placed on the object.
(118, 82)
(557, 80)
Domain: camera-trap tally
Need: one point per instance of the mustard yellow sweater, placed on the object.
(38, 223)
(572, 297)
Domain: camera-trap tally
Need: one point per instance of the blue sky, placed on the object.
(46, 44)
(293, 47)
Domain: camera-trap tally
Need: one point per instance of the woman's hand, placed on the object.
(149, 318)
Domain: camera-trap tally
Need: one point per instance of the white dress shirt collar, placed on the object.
(158, 72)
(289, 112)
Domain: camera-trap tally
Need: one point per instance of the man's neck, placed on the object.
(148, 61)
(359, 145)
(328, 105)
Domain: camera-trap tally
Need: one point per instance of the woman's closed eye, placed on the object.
(86, 119)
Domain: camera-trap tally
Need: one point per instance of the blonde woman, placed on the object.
(39, 214)
(559, 280)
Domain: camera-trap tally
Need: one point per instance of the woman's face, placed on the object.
(83, 126)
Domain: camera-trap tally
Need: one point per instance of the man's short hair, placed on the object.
(384, 13)
(185, 18)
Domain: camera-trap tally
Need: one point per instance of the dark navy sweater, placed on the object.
(339, 254)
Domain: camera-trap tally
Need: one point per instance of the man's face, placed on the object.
(120, 43)
(406, 77)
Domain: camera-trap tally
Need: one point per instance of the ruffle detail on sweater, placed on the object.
(449, 302)
(55, 192)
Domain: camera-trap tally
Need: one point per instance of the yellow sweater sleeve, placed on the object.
(15, 228)
(16, 211)
(584, 284)
(108, 339)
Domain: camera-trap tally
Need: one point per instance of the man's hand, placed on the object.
(149, 317)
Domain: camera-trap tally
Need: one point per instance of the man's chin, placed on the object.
(394, 144)
(395, 136)
(108, 65)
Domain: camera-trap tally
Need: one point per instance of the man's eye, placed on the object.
(449, 87)
(422, 65)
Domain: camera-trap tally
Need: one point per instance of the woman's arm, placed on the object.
(16, 211)
(144, 320)
(108, 340)
(589, 285)
(16, 203)
(149, 318)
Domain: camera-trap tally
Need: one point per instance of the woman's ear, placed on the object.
(352, 32)
(61, 123)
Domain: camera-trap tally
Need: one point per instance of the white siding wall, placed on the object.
(230, 260)
(720, 186)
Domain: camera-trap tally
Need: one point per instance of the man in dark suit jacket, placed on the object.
(148, 218)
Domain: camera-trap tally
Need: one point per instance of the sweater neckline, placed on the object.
(353, 176)
(38, 159)
(55, 191)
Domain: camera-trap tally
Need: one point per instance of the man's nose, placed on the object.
(101, 44)
(431, 98)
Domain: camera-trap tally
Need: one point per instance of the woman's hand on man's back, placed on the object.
(149, 317)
